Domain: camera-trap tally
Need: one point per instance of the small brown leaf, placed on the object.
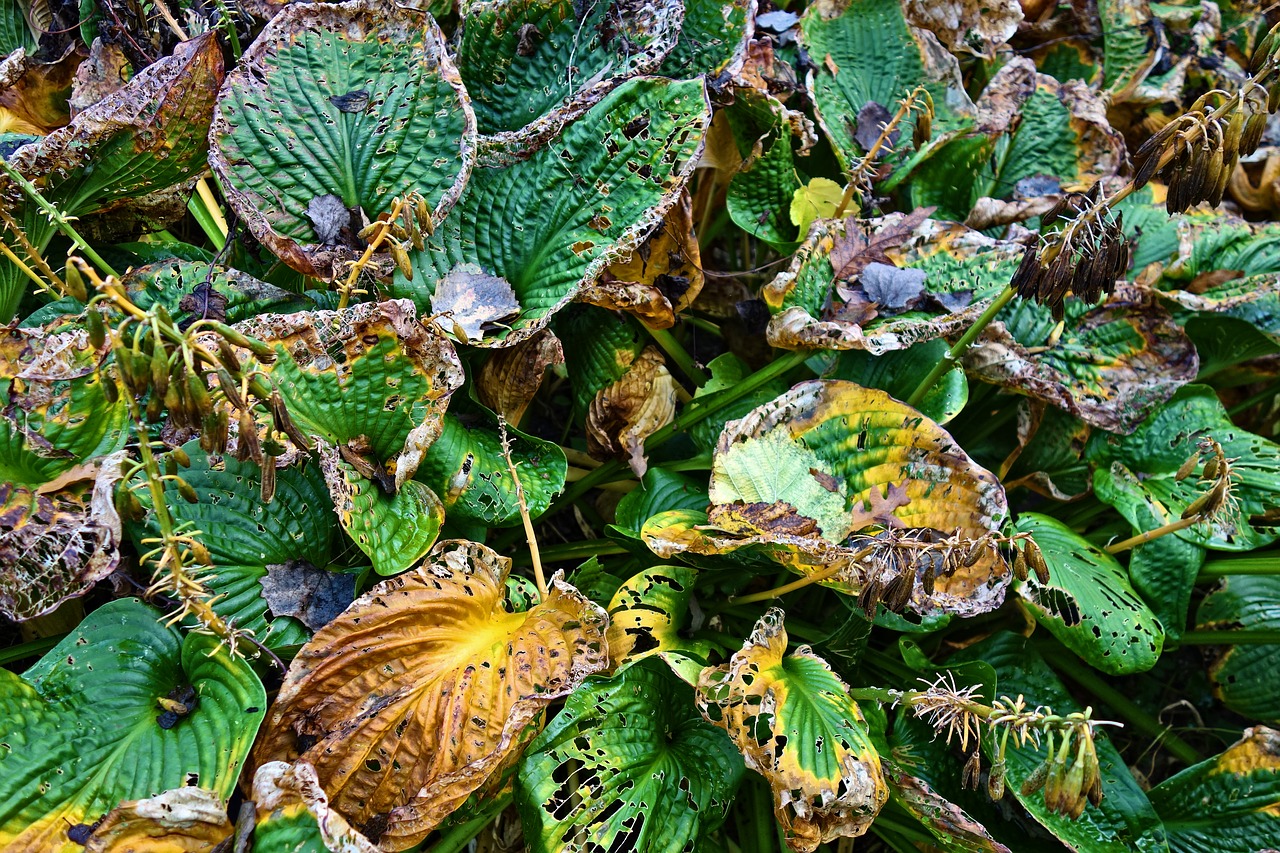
(510, 378)
(475, 300)
(313, 596)
(415, 696)
(624, 414)
(855, 249)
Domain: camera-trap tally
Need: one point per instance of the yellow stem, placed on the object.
(211, 205)
(807, 580)
(1148, 535)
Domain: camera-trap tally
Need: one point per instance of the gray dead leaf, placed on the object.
(328, 216)
(313, 596)
(476, 301)
(352, 102)
(1035, 186)
(954, 301)
(892, 288)
(776, 22)
(872, 119)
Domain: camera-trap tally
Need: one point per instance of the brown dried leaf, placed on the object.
(282, 790)
(311, 595)
(943, 817)
(183, 820)
(971, 26)
(751, 519)
(33, 94)
(417, 694)
(624, 414)
(470, 299)
(101, 74)
(855, 248)
(509, 379)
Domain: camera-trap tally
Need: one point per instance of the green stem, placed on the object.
(208, 221)
(1255, 565)
(573, 550)
(761, 836)
(458, 837)
(34, 648)
(1068, 665)
(679, 355)
(1261, 397)
(952, 359)
(60, 221)
(1230, 638)
(704, 325)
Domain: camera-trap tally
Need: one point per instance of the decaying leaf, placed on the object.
(794, 722)
(1111, 365)
(103, 72)
(624, 414)
(966, 25)
(420, 691)
(646, 616)
(311, 595)
(472, 303)
(279, 138)
(944, 819)
(291, 808)
(917, 507)
(664, 272)
(510, 378)
(181, 820)
(34, 98)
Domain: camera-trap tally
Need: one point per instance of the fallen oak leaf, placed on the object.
(419, 692)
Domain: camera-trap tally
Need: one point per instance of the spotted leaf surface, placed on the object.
(181, 820)
(334, 110)
(246, 537)
(532, 65)
(713, 39)
(1228, 804)
(418, 694)
(1253, 604)
(1088, 602)
(794, 722)
(85, 730)
(1137, 473)
(646, 616)
(627, 764)
(614, 173)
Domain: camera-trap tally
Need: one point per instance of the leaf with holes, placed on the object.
(419, 693)
(713, 39)
(1227, 804)
(334, 110)
(614, 173)
(1137, 473)
(181, 820)
(93, 731)
(1125, 822)
(794, 722)
(816, 306)
(246, 538)
(627, 764)
(148, 136)
(829, 459)
(1249, 604)
(646, 617)
(1088, 602)
(194, 290)
(532, 65)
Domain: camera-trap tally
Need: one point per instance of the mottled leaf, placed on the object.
(623, 414)
(195, 290)
(1238, 672)
(713, 39)
(92, 733)
(292, 813)
(646, 616)
(794, 723)
(967, 25)
(280, 141)
(418, 694)
(627, 764)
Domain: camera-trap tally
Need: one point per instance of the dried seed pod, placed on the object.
(228, 356)
(1036, 560)
(284, 423)
(869, 597)
(971, 776)
(897, 593)
(230, 389)
(928, 580)
(268, 468)
(1019, 565)
(214, 432)
(425, 221)
(187, 491)
(401, 257)
(247, 444)
(1184, 470)
(198, 397)
(1036, 780)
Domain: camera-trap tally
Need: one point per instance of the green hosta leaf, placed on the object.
(601, 345)
(370, 377)
(660, 490)
(193, 290)
(14, 32)
(335, 108)
(614, 173)
(1051, 461)
(1163, 571)
(1254, 299)
(1136, 473)
(394, 530)
(91, 733)
(794, 722)
(646, 616)
(650, 773)
(531, 65)
(1088, 603)
(726, 371)
(713, 39)
(1228, 804)
(898, 373)
(963, 269)
(466, 467)
(247, 538)
(145, 137)
(759, 197)
(1251, 604)
(1128, 50)
(864, 50)
(1110, 366)
(1125, 822)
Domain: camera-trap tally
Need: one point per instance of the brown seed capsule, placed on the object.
(284, 423)
(200, 401)
(1251, 137)
(425, 221)
(230, 388)
(228, 356)
(268, 479)
(1184, 471)
(869, 597)
(247, 445)
(401, 257)
(897, 593)
(928, 579)
(1199, 506)
(1036, 560)
(971, 776)
(1019, 565)
(187, 491)
(1036, 780)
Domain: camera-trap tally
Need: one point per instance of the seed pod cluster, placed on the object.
(900, 559)
(1083, 253)
(1071, 777)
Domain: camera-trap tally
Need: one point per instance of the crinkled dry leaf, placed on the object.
(34, 99)
(181, 820)
(967, 25)
(290, 805)
(311, 595)
(417, 694)
(510, 378)
(102, 73)
(1110, 367)
(666, 268)
(946, 820)
(624, 414)
(795, 724)
(472, 303)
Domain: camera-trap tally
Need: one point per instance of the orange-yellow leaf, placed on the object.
(183, 820)
(418, 693)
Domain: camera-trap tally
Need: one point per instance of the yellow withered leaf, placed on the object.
(418, 693)
(796, 725)
(182, 820)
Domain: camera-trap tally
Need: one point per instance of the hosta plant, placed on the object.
(695, 425)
